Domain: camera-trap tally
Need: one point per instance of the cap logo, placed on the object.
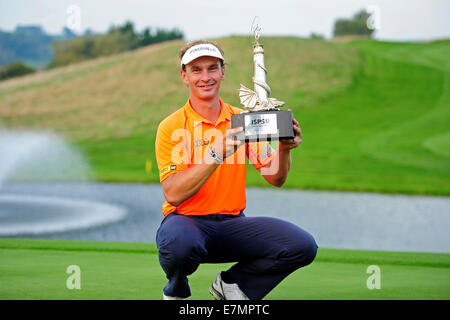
(194, 49)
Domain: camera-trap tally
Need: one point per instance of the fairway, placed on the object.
(36, 269)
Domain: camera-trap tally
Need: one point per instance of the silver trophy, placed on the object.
(261, 119)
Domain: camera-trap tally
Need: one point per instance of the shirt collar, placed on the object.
(193, 116)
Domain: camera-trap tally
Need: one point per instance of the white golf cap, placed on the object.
(201, 50)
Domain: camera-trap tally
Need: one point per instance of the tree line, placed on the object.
(118, 39)
(29, 48)
(32, 43)
(357, 25)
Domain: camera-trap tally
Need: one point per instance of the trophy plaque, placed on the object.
(261, 119)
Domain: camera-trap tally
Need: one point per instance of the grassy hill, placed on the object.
(375, 115)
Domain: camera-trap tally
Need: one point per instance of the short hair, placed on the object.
(194, 43)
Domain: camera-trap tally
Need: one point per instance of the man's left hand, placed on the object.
(292, 143)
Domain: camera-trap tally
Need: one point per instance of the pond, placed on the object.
(132, 212)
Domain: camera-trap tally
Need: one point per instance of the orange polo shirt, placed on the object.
(182, 140)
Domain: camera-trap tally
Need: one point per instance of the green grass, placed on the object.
(375, 115)
(388, 132)
(36, 269)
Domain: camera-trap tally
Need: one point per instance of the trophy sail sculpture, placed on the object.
(262, 119)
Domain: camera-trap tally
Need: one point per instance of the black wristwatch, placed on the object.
(215, 156)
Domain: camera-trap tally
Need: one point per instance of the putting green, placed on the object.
(36, 269)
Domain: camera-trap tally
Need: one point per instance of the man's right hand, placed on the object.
(227, 146)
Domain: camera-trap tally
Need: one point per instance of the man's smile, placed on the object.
(206, 86)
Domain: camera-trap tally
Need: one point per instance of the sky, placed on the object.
(400, 20)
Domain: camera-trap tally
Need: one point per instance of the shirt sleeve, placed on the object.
(260, 153)
(171, 151)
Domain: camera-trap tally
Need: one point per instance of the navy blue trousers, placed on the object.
(266, 250)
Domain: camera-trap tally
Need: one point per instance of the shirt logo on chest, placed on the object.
(201, 142)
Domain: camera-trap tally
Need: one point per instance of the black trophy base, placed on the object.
(264, 125)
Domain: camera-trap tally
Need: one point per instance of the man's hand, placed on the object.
(285, 145)
(228, 146)
(277, 171)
